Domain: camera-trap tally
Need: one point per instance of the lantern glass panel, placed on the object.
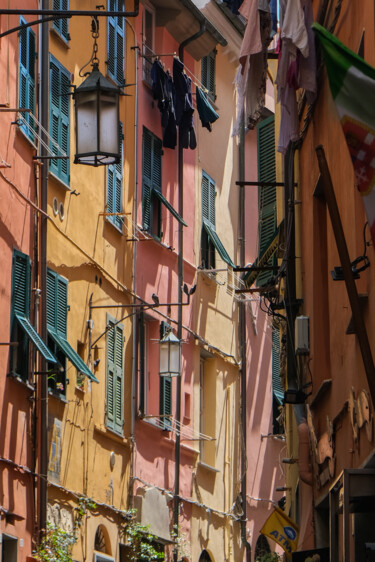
(109, 129)
(164, 358)
(87, 123)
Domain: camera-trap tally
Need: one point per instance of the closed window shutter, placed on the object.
(147, 178)
(208, 200)
(114, 188)
(27, 76)
(267, 194)
(115, 390)
(165, 402)
(60, 117)
(116, 37)
(57, 303)
(61, 25)
(21, 273)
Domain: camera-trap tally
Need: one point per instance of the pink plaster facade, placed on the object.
(18, 193)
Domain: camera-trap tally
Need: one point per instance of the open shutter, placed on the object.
(60, 118)
(115, 44)
(115, 187)
(57, 303)
(21, 273)
(147, 178)
(165, 402)
(267, 194)
(27, 75)
(208, 74)
(61, 25)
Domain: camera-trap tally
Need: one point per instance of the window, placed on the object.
(152, 182)
(148, 43)
(114, 189)
(115, 42)
(60, 118)
(208, 65)
(165, 402)
(277, 387)
(209, 239)
(9, 547)
(61, 25)
(22, 330)
(266, 194)
(27, 77)
(115, 375)
(57, 308)
(143, 364)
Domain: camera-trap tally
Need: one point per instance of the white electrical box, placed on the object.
(302, 344)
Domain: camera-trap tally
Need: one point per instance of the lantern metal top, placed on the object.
(96, 81)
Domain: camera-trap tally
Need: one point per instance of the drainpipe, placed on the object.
(242, 341)
(42, 380)
(180, 297)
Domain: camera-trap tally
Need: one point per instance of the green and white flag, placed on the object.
(352, 83)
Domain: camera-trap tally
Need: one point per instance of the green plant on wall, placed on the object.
(56, 544)
(269, 557)
(141, 543)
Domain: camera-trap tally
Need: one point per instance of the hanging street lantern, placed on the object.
(97, 121)
(170, 355)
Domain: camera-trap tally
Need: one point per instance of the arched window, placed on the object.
(101, 543)
(205, 557)
(262, 547)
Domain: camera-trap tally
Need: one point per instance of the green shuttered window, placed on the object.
(61, 25)
(115, 376)
(277, 387)
(114, 188)
(152, 182)
(165, 402)
(210, 241)
(27, 77)
(267, 194)
(208, 68)
(60, 118)
(115, 42)
(22, 331)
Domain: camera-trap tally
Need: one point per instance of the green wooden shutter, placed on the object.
(21, 277)
(165, 402)
(27, 76)
(152, 180)
(115, 387)
(146, 178)
(267, 194)
(115, 42)
(115, 188)
(142, 372)
(277, 387)
(57, 303)
(208, 69)
(61, 25)
(60, 117)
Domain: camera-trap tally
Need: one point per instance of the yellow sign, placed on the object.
(281, 529)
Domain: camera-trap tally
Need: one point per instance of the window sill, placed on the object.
(59, 37)
(24, 135)
(59, 181)
(58, 396)
(154, 422)
(110, 434)
(208, 467)
(19, 380)
(113, 225)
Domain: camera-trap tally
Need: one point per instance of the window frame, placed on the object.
(208, 74)
(116, 69)
(59, 114)
(26, 77)
(61, 25)
(208, 195)
(115, 369)
(148, 44)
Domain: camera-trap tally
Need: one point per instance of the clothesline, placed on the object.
(196, 80)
